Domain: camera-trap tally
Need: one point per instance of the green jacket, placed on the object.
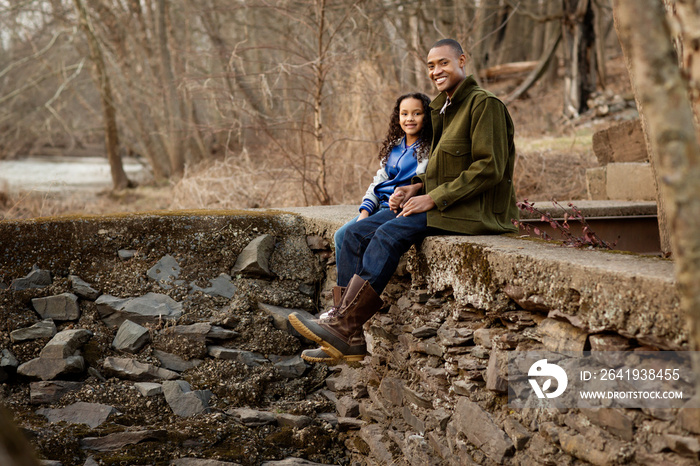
(470, 171)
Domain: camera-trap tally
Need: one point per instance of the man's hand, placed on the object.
(402, 194)
(416, 205)
(363, 215)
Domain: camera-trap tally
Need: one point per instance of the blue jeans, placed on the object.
(340, 233)
(339, 236)
(372, 247)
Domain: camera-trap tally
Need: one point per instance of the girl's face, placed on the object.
(411, 118)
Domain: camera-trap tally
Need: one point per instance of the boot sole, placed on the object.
(333, 359)
(319, 360)
(327, 347)
(327, 360)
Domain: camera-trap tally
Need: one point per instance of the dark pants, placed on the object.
(372, 247)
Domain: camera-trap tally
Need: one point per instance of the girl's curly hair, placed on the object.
(395, 133)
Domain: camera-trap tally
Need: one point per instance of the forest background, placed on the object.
(262, 103)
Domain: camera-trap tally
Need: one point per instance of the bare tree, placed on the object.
(308, 61)
(580, 56)
(304, 86)
(119, 178)
(172, 109)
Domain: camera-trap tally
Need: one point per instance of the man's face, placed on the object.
(446, 68)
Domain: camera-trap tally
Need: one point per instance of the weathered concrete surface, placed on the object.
(633, 295)
(325, 220)
(597, 208)
(630, 294)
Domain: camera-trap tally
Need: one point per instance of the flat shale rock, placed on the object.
(149, 308)
(113, 442)
(248, 358)
(83, 289)
(130, 369)
(65, 343)
(44, 329)
(8, 364)
(63, 306)
(252, 417)
(49, 368)
(482, 431)
(255, 257)
(174, 362)
(131, 337)
(51, 391)
(184, 401)
(92, 414)
(37, 278)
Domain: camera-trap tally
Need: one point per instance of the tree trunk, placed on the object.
(599, 31)
(320, 72)
(664, 231)
(229, 64)
(488, 18)
(553, 29)
(516, 44)
(537, 73)
(119, 178)
(173, 115)
(663, 94)
(579, 46)
(684, 16)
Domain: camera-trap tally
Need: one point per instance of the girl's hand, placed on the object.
(403, 194)
(396, 199)
(363, 215)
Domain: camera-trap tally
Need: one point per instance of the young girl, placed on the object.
(403, 155)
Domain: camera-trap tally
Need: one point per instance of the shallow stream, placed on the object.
(61, 173)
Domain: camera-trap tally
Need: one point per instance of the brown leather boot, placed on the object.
(318, 355)
(338, 292)
(340, 333)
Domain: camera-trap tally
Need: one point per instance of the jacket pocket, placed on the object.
(469, 210)
(502, 195)
(455, 157)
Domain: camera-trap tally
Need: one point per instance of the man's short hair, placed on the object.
(453, 44)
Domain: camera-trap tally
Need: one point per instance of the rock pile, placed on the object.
(172, 373)
(188, 358)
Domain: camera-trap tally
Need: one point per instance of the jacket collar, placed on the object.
(464, 88)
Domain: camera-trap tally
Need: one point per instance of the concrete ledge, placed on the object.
(322, 218)
(598, 291)
(595, 209)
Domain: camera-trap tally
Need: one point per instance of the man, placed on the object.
(467, 189)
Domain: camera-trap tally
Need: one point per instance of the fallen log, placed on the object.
(506, 69)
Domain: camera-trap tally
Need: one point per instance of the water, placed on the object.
(62, 174)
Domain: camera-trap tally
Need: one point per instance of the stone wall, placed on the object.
(432, 390)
